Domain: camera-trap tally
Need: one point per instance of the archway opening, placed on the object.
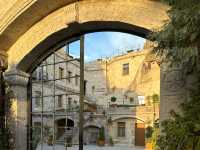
(119, 78)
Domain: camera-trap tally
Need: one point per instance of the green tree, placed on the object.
(179, 42)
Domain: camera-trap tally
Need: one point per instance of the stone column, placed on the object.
(3, 132)
(18, 81)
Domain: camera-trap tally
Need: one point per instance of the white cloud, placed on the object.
(123, 41)
(107, 44)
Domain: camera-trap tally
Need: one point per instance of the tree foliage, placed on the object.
(180, 37)
(179, 42)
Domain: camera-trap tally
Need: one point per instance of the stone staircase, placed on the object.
(71, 133)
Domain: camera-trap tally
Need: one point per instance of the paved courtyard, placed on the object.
(91, 147)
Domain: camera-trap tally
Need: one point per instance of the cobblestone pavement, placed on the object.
(91, 147)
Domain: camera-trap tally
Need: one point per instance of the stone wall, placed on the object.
(106, 79)
(26, 24)
(49, 23)
(175, 87)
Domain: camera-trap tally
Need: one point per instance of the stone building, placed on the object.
(132, 79)
(55, 88)
(55, 98)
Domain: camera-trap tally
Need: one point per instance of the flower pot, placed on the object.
(50, 140)
(149, 146)
(100, 142)
(114, 105)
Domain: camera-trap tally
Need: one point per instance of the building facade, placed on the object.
(55, 98)
(118, 96)
(126, 87)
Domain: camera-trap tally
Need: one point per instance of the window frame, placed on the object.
(125, 69)
(121, 129)
(60, 101)
(61, 72)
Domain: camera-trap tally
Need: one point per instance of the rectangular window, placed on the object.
(59, 101)
(121, 129)
(132, 100)
(93, 89)
(37, 124)
(45, 74)
(40, 74)
(38, 99)
(61, 73)
(141, 100)
(34, 75)
(76, 80)
(125, 69)
(69, 101)
(85, 86)
(69, 76)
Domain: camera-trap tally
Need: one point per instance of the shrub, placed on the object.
(101, 134)
(113, 99)
(149, 132)
(111, 141)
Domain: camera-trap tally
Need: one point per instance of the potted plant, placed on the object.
(113, 99)
(148, 135)
(109, 120)
(36, 138)
(111, 141)
(50, 140)
(101, 137)
(68, 141)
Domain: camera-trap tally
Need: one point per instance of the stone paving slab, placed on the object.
(91, 147)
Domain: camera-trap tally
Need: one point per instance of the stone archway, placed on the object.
(31, 28)
(39, 25)
(91, 133)
(61, 127)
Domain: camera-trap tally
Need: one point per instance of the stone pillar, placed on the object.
(18, 82)
(3, 120)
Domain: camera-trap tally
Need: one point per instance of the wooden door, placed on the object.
(139, 134)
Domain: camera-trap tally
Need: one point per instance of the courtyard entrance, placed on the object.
(82, 100)
(107, 97)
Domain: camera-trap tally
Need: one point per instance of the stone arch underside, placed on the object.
(41, 20)
(116, 118)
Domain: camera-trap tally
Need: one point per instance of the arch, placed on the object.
(33, 28)
(14, 13)
(58, 21)
(70, 123)
(44, 48)
(127, 117)
(92, 126)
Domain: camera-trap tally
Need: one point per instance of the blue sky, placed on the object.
(106, 44)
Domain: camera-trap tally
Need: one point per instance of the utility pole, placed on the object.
(81, 100)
